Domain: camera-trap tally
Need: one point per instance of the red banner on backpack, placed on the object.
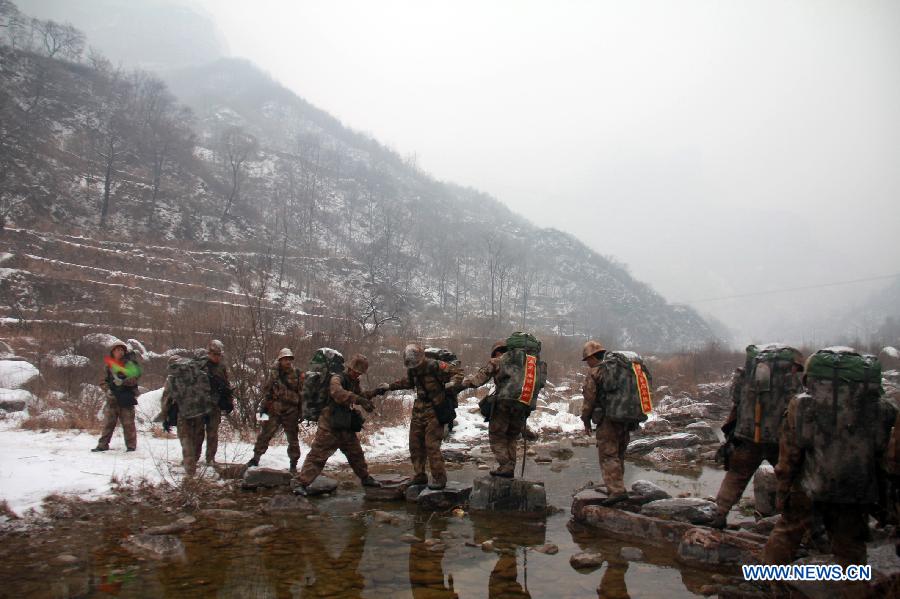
(643, 387)
(530, 379)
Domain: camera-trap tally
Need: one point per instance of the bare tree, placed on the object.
(373, 311)
(59, 39)
(237, 147)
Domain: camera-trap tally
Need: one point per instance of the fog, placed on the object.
(717, 149)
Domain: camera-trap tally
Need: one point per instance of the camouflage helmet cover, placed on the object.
(216, 347)
(413, 355)
(498, 346)
(591, 348)
(117, 343)
(359, 363)
(286, 353)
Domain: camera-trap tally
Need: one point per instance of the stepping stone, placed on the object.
(268, 478)
(494, 493)
(454, 494)
(393, 487)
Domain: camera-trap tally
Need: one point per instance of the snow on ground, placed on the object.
(34, 465)
(891, 352)
(15, 373)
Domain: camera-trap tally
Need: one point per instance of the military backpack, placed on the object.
(445, 411)
(624, 388)
(314, 396)
(188, 384)
(843, 425)
(771, 378)
(522, 374)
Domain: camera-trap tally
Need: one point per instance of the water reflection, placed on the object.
(426, 561)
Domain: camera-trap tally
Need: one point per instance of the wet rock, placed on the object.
(261, 530)
(558, 467)
(393, 487)
(226, 503)
(293, 505)
(707, 547)
(323, 485)
(219, 514)
(493, 493)
(764, 485)
(665, 459)
(179, 526)
(530, 452)
(581, 561)
(682, 509)
(383, 517)
(587, 497)
(631, 526)
(408, 538)
(229, 471)
(158, 547)
(413, 492)
(483, 467)
(488, 545)
(584, 441)
(65, 559)
(548, 548)
(562, 450)
(675, 440)
(454, 494)
(657, 426)
(542, 459)
(269, 478)
(702, 430)
(631, 554)
(646, 491)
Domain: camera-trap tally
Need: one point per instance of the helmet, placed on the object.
(286, 353)
(499, 346)
(591, 348)
(359, 363)
(216, 347)
(117, 343)
(413, 355)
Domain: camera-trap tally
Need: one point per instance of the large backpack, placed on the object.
(843, 425)
(522, 373)
(324, 363)
(769, 384)
(626, 385)
(188, 384)
(446, 410)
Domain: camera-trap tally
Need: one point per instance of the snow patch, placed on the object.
(15, 373)
(891, 352)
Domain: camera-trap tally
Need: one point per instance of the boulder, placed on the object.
(630, 526)
(581, 561)
(764, 486)
(645, 491)
(230, 471)
(393, 487)
(494, 493)
(674, 440)
(562, 450)
(180, 525)
(657, 426)
(158, 547)
(413, 492)
(16, 373)
(665, 459)
(15, 400)
(268, 478)
(262, 530)
(288, 505)
(323, 485)
(702, 430)
(707, 547)
(587, 497)
(682, 509)
(454, 494)
(547, 548)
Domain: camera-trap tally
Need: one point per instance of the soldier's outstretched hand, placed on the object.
(367, 404)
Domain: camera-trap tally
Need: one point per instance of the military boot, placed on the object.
(254, 461)
(614, 499)
(370, 482)
(719, 520)
(301, 490)
(419, 479)
(100, 448)
(504, 471)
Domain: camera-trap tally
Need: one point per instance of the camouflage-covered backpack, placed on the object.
(522, 373)
(843, 425)
(314, 396)
(188, 384)
(446, 410)
(771, 378)
(625, 389)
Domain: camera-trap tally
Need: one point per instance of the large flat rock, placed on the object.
(707, 547)
(630, 526)
(672, 441)
(683, 509)
(323, 485)
(393, 487)
(453, 495)
(492, 493)
(268, 478)
(230, 471)
(644, 491)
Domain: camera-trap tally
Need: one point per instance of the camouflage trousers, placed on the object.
(114, 413)
(746, 456)
(425, 437)
(190, 434)
(612, 440)
(847, 526)
(503, 432)
(323, 447)
(211, 426)
(289, 420)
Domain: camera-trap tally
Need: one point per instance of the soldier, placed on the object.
(281, 407)
(755, 420)
(222, 399)
(505, 424)
(832, 443)
(612, 437)
(338, 424)
(121, 380)
(431, 379)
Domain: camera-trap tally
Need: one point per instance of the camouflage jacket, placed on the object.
(219, 382)
(429, 380)
(592, 391)
(833, 456)
(282, 389)
(125, 394)
(483, 374)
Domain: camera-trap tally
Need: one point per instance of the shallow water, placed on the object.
(344, 553)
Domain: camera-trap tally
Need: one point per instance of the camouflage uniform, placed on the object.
(746, 454)
(281, 394)
(612, 437)
(345, 392)
(830, 449)
(505, 424)
(425, 432)
(221, 388)
(120, 402)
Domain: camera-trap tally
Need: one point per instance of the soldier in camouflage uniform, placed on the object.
(335, 426)
(505, 424)
(746, 453)
(281, 404)
(612, 437)
(222, 399)
(430, 378)
(121, 397)
(832, 443)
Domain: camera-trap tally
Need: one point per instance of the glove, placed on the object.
(382, 388)
(366, 404)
